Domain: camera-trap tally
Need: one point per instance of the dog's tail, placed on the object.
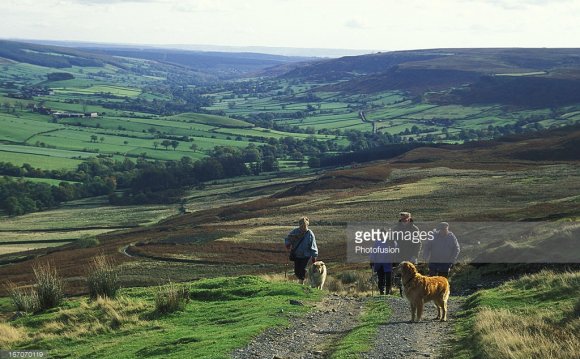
(447, 292)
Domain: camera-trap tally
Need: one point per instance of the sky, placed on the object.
(377, 25)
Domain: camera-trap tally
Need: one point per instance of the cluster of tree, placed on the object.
(491, 132)
(145, 181)
(366, 140)
(194, 103)
(59, 76)
(18, 196)
(370, 154)
(247, 88)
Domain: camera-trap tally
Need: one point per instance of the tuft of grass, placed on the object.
(103, 278)
(10, 335)
(171, 298)
(24, 299)
(535, 316)
(84, 319)
(49, 285)
(358, 340)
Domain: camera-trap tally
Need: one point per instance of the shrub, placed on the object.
(49, 286)
(103, 278)
(334, 285)
(25, 300)
(348, 277)
(170, 298)
(87, 242)
(364, 282)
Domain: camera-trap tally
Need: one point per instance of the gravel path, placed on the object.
(312, 335)
(401, 339)
(308, 336)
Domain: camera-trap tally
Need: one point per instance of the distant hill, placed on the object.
(53, 56)
(199, 63)
(523, 77)
(272, 50)
(224, 64)
(484, 61)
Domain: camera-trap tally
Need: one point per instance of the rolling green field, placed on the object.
(100, 89)
(38, 160)
(224, 314)
(288, 102)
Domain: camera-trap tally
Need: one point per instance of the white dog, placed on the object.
(317, 274)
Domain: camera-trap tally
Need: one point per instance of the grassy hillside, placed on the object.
(223, 314)
(211, 120)
(536, 316)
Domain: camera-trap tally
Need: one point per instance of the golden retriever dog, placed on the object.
(317, 274)
(420, 289)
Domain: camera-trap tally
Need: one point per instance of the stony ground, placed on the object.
(308, 336)
(311, 336)
(399, 338)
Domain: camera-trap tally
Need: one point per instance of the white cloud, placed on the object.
(520, 4)
(355, 24)
(110, 2)
(368, 24)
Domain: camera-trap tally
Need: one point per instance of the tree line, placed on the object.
(144, 181)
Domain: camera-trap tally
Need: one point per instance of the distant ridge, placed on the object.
(272, 50)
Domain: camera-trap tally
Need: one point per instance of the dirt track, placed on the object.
(312, 336)
(308, 336)
(399, 338)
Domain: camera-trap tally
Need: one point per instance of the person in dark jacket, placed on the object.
(441, 253)
(381, 263)
(303, 242)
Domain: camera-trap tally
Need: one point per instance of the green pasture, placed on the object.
(267, 133)
(79, 139)
(101, 89)
(76, 83)
(43, 151)
(38, 160)
(402, 109)
(76, 139)
(24, 73)
(14, 103)
(17, 129)
(211, 120)
(75, 107)
(452, 112)
(167, 123)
